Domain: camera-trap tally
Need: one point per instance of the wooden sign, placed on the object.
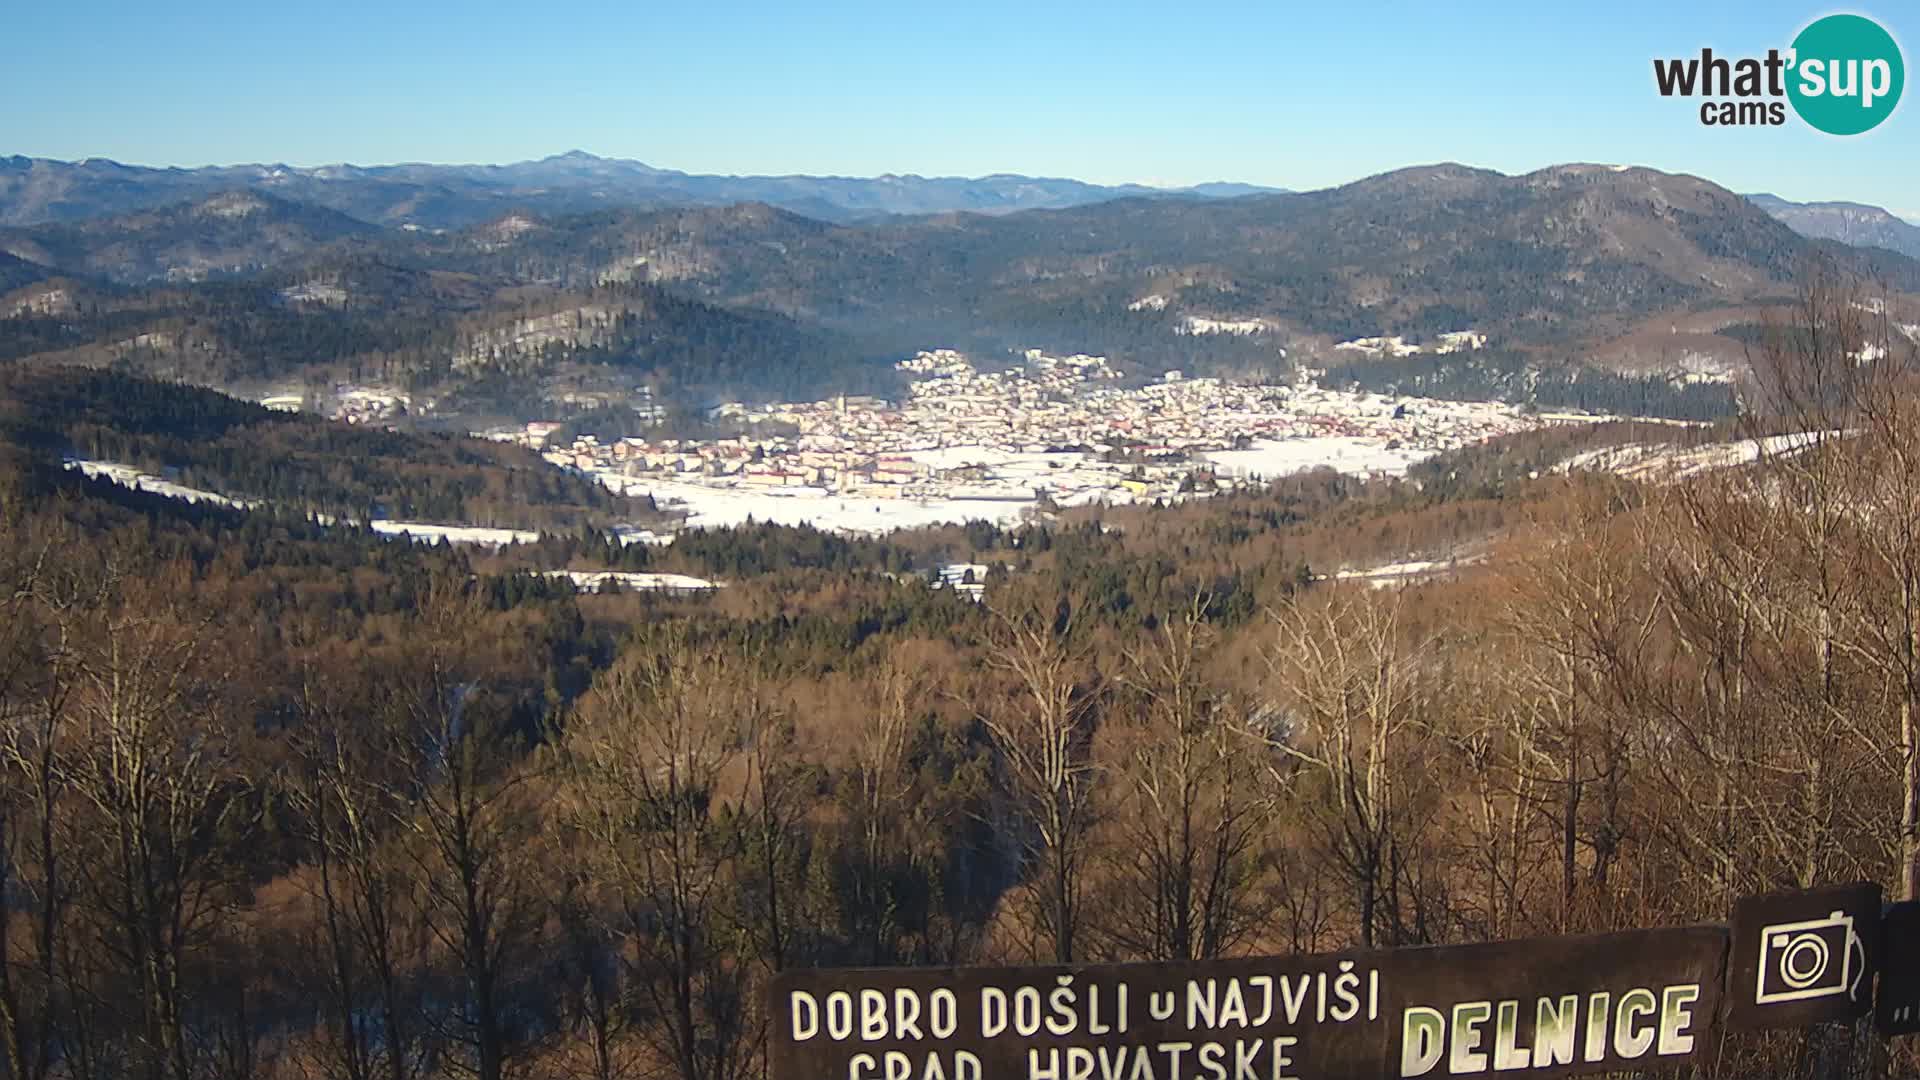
(1801, 958)
(1897, 1005)
(1534, 1009)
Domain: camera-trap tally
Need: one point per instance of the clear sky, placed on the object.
(1289, 94)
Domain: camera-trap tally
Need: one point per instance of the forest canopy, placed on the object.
(286, 800)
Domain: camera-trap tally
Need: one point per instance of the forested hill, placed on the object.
(1559, 265)
(1847, 222)
(348, 316)
(297, 464)
(1566, 268)
(227, 233)
(16, 272)
(1562, 256)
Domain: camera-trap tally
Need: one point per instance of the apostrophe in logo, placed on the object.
(1843, 75)
(1847, 74)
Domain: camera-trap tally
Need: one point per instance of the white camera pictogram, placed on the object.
(1810, 959)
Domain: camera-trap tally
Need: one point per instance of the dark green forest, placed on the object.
(299, 464)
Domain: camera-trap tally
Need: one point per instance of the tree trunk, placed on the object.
(1909, 804)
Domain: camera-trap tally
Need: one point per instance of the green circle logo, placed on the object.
(1847, 74)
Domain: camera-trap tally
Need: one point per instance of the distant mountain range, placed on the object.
(1847, 222)
(36, 191)
(39, 191)
(1657, 275)
(1553, 258)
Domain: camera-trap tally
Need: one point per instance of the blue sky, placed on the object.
(1289, 94)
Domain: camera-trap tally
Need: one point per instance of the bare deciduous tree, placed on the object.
(1044, 735)
(462, 789)
(1354, 692)
(648, 756)
(155, 761)
(344, 794)
(1196, 801)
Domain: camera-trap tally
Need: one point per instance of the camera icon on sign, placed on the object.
(1811, 959)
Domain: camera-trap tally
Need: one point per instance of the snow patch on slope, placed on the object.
(129, 477)
(1664, 461)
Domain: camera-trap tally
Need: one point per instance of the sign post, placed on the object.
(1897, 1005)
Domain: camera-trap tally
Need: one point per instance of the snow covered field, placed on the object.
(1070, 479)
(1403, 573)
(594, 580)
(130, 477)
(717, 507)
(1351, 454)
(454, 534)
(1662, 461)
